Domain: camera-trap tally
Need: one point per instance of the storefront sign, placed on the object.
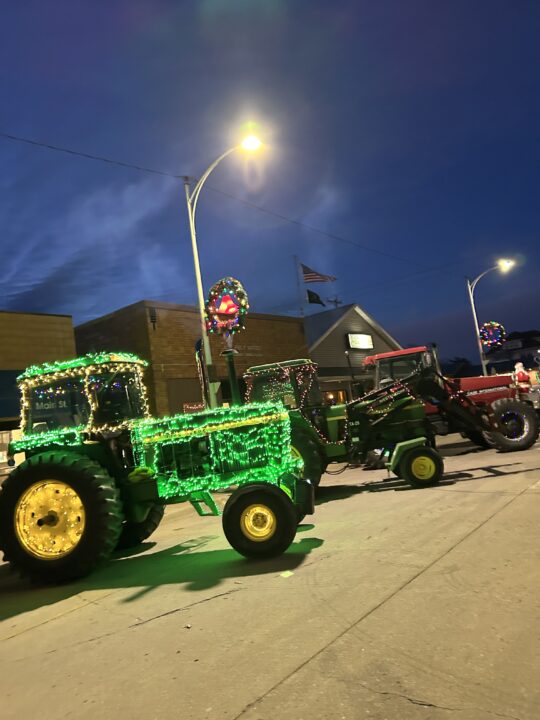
(359, 341)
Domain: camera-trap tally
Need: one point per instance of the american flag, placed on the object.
(313, 276)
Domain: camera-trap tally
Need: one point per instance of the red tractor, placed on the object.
(512, 407)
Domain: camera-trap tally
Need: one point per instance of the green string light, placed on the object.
(63, 437)
(80, 362)
(215, 449)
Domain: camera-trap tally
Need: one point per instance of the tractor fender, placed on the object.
(266, 487)
(403, 447)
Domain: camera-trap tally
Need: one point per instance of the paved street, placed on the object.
(394, 603)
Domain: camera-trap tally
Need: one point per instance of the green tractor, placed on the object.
(391, 419)
(98, 470)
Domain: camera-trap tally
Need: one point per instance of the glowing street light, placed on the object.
(250, 143)
(504, 265)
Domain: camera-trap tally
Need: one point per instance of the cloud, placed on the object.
(101, 244)
(328, 202)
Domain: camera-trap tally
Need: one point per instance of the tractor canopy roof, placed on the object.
(89, 360)
(276, 367)
(373, 359)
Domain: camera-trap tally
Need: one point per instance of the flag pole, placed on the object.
(298, 285)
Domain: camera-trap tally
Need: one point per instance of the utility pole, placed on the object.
(503, 265)
(250, 143)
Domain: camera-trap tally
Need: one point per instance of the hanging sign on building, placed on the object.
(360, 341)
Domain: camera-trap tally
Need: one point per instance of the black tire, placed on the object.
(276, 522)
(479, 438)
(421, 467)
(308, 450)
(86, 494)
(518, 423)
(299, 515)
(134, 533)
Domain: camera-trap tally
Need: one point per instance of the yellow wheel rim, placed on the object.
(258, 523)
(423, 468)
(49, 519)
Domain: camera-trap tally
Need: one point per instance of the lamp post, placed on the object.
(353, 380)
(250, 144)
(504, 265)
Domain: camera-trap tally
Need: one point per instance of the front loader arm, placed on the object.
(428, 385)
(452, 403)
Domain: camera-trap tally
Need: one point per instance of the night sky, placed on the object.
(409, 132)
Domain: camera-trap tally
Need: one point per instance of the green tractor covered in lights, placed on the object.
(391, 418)
(98, 470)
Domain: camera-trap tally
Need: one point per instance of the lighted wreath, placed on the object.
(492, 334)
(226, 307)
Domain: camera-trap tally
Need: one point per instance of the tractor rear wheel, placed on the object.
(60, 515)
(518, 424)
(259, 521)
(134, 533)
(421, 467)
(306, 449)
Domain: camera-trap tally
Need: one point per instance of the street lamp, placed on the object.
(250, 144)
(503, 265)
(352, 373)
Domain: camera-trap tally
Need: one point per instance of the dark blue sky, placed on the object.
(407, 128)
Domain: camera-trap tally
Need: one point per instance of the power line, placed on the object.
(88, 156)
(399, 280)
(284, 218)
(327, 234)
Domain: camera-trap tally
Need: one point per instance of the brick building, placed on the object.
(166, 334)
(28, 339)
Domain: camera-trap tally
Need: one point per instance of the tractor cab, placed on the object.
(93, 392)
(295, 384)
(399, 364)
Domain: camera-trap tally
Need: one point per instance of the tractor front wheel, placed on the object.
(259, 521)
(60, 515)
(421, 467)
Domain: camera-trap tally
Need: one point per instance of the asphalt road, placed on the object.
(391, 604)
